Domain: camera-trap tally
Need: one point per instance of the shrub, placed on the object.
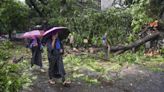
(5, 47)
(13, 76)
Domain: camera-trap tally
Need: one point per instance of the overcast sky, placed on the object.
(22, 0)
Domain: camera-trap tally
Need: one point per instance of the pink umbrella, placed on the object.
(54, 30)
(63, 32)
(34, 33)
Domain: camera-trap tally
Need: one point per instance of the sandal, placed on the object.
(66, 83)
(51, 82)
(42, 70)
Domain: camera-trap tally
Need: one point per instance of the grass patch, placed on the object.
(76, 66)
(156, 69)
(77, 63)
(90, 80)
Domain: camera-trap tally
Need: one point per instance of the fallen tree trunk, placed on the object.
(136, 43)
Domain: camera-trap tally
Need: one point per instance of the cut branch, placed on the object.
(15, 60)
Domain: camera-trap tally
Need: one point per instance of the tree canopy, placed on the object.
(13, 16)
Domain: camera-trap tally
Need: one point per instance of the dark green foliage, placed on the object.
(93, 25)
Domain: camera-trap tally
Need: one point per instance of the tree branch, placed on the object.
(34, 6)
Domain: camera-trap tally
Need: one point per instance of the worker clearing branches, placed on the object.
(151, 46)
(106, 46)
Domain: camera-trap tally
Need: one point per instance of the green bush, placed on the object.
(91, 25)
(139, 14)
(162, 50)
(4, 54)
(13, 76)
(5, 47)
(127, 57)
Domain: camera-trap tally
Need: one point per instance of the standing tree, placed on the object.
(13, 16)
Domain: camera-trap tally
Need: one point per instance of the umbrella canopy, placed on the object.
(63, 33)
(34, 33)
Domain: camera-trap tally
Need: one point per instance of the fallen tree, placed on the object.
(135, 44)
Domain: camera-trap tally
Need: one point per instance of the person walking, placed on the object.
(56, 67)
(36, 49)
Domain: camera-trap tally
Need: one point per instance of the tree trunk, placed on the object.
(10, 33)
(136, 43)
